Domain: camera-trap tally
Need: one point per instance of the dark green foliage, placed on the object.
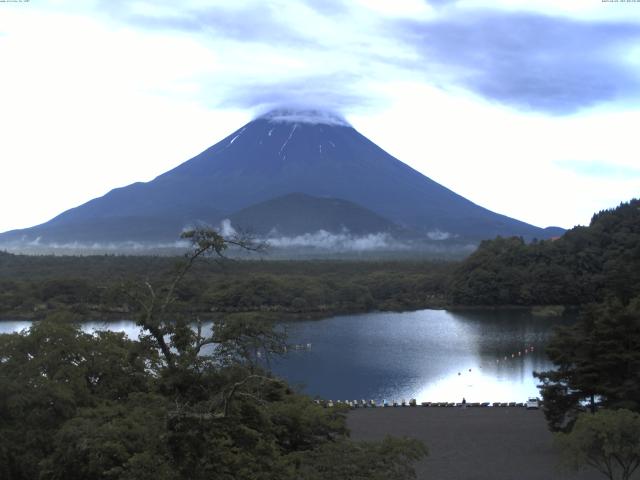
(608, 441)
(121, 440)
(92, 286)
(50, 374)
(181, 403)
(597, 359)
(390, 459)
(586, 264)
(77, 406)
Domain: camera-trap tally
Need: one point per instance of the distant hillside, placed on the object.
(297, 214)
(162, 227)
(282, 152)
(585, 265)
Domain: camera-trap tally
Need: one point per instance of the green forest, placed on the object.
(96, 286)
(175, 404)
(585, 265)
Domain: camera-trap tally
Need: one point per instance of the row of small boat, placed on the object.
(367, 403)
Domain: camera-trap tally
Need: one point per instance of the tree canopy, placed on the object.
(585, 265)
(608, 441)
(597, 360)
(182, 402)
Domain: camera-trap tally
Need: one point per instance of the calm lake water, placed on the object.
(430, 355)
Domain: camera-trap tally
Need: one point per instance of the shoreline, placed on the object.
(541, 311)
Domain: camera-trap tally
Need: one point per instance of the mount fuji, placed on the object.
(301, 170)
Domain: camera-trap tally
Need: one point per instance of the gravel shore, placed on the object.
(501, 443)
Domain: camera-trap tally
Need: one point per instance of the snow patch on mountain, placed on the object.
(288, 139)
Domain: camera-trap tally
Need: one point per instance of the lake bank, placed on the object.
(107, 315)
(472, 443)
(429, 355)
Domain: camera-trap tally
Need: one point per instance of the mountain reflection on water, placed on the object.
(430, 355)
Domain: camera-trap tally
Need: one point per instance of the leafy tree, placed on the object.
(390, 459)
(608, 441)
(182, 403)
(121, 440)
(49, 374)
(587, 264)
(596, 360)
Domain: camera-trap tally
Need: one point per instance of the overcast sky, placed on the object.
(530, 108)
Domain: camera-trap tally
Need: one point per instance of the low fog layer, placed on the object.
(113, 246)
(341, 241)
(322, 239)
(321, 242)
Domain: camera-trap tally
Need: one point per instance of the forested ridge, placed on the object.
(585, 265)
(94, 286)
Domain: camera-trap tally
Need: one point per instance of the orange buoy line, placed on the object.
(519, 353)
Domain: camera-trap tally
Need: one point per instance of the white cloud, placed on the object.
(503, 159)
(86, 109)
(313, 117)
(399, 8)
(226, 229)
(584, 10)
(338, 242)
(91, 102)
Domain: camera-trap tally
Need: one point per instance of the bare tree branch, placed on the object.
(229, 396)
(155, 303)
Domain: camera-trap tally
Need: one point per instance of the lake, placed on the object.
(430, 355)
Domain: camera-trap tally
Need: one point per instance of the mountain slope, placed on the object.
(298, 213)
(277, 154)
